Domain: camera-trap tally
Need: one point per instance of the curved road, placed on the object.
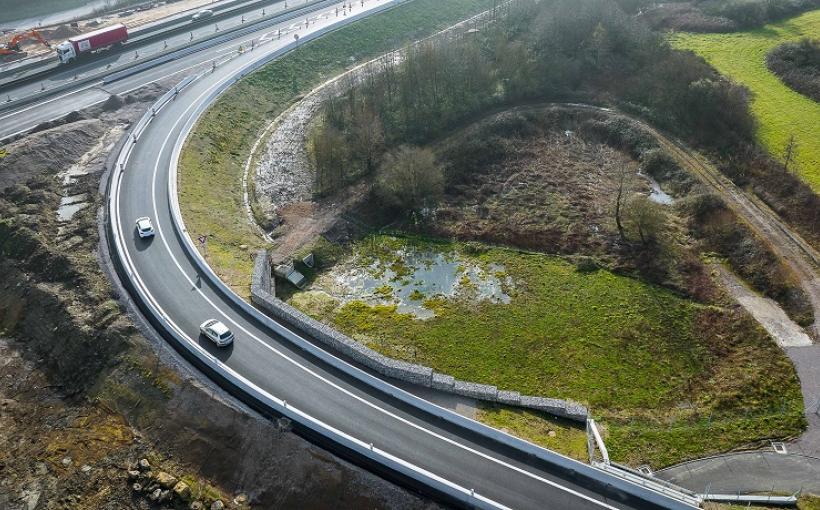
(416, 443)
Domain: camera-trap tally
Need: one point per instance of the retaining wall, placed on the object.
(262, 297)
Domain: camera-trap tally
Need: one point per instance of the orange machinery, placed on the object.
(13, 46)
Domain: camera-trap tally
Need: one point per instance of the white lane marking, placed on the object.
(240, 40)
(308, 418)
(304, 368)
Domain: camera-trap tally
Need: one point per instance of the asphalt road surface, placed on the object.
(499, 475)
(15, 120)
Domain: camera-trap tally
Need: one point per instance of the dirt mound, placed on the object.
(61, 32)
(42, 152)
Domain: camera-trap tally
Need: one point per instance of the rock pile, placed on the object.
(164, 489)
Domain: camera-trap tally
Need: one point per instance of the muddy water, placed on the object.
(656, 194)
(70, 205)
(417, 276)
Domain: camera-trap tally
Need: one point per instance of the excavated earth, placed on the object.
(86, 392)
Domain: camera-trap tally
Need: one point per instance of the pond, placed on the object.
(414, 276)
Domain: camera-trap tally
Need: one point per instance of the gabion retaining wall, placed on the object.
(262, 296)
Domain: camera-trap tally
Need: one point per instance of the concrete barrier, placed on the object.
(263, 298)
(595, 479)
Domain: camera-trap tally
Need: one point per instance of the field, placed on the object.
(212, 162)
(669, 378)
(780, 111)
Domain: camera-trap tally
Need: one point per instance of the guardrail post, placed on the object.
(216, 27)
(134, 138)
(243, 19)
(42, 86)
(8, 98)
(192, 36)
(136, 55)
(153, 112)
(164, 45)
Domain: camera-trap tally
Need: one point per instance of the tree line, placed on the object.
(548, 50)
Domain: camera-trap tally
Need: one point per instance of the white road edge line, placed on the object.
(172, 176)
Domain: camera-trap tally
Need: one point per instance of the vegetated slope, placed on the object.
(83, 395)
(715, 15)
(213, 159)
(671, 379)
(781, 112)
(798, 65)
(653, 364)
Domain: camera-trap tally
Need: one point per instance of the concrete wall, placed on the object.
(262, 296)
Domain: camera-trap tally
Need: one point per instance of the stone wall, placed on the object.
(262, 296)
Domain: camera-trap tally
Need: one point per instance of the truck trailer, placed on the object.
(100, 39)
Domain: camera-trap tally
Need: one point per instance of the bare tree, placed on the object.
(646, 218)
(623, 174)
(367, 136)
(410, 179)
(790, 152)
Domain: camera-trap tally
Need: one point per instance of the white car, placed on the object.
(144, 227)
(217, 332)
(203, 14)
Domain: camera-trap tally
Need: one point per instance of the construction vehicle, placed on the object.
(100, 39)
(13, 46)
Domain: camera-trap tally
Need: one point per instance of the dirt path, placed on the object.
(766, 311)
(787, 244)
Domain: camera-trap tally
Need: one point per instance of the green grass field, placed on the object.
(212, 162)
(780, 111)
(669, 378)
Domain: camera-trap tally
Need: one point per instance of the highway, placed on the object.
(95, 88)
(331, 402)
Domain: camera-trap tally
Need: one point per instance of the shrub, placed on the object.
(410, 179)
(798, 65)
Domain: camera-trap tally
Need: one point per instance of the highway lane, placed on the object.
(142, 46)
(502, 475)
(24, 118)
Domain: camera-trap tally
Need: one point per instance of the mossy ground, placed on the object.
(669, 378)
(563, 436)
(780, 111)
(212, 162)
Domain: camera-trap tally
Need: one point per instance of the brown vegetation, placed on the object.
(798, 65)
(715, 15)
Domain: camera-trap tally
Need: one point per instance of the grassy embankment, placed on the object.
(212, 162)
(669, 378)
(780, 111)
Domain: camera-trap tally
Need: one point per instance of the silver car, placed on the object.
(217, 332)
(203, 14)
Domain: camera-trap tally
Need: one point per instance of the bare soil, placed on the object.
(84, 395)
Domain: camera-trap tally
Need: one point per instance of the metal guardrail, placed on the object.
(129, 68)
(596, 479)
(752, 499)
(142, 33)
